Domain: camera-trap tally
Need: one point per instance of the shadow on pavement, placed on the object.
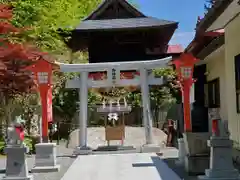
(179, 170)
(165, 172)
(67, 156)
(3, 171)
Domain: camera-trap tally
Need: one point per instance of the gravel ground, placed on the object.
(134, 136)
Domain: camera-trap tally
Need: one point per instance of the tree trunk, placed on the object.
(8, 113)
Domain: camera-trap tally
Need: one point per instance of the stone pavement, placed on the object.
(139, 166)
(64, 159)
(152, 165)
(139, 163)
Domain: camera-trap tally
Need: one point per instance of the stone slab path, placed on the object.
(140, 166)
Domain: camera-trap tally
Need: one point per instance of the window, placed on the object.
(214, 94)
(237, 81)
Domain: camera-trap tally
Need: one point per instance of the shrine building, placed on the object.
(117, 31)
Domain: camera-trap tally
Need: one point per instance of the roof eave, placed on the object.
(211, 47)
(194, 42)
(170, 25)
(213, 14)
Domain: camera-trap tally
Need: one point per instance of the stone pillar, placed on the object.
(147, 120)
(83, 114)
(221, 164)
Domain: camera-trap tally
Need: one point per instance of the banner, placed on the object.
(49, 106)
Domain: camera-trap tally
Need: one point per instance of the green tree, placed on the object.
(44, 18)
(41, 20)
(161, 97)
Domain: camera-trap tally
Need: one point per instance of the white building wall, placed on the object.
(232, 48)
(215, 69)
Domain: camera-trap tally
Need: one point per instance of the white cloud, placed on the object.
(183, 38)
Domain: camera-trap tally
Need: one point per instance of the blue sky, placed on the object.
(183, 11)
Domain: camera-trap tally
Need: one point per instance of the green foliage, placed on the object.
(44, 18)
(2, 145)
(134, 98)
(161, 97)
(41, 20)
(27, 105)
(65, 103)
(28, 143)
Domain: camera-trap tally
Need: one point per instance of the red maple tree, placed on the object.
(14, 57)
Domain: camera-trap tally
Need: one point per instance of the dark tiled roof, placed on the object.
(123, 23)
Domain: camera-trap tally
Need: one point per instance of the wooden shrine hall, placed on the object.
(117, 31)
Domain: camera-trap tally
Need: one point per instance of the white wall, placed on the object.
(215, 69)
(232, 48)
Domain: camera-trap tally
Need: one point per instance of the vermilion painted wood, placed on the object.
(45, 91)
(186, 60)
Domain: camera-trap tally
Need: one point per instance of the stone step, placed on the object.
(114, 148)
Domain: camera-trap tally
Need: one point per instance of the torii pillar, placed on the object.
(81, 84)
(83, 113)
(147, 118)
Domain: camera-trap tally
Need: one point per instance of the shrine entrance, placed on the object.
(110, 78)
(122, 45)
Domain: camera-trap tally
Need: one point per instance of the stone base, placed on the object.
(196, 143)
(221, 160)
(116, 152)
(221, 174)
(30, 177)
(16, 165)
(114, 148)
(179, 162)
(82, 151)
(45, 169)
(150, 148)
(210, 178)
(46, 158)
(196, 165)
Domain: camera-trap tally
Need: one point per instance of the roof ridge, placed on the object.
(106, 3)
(147, 17)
